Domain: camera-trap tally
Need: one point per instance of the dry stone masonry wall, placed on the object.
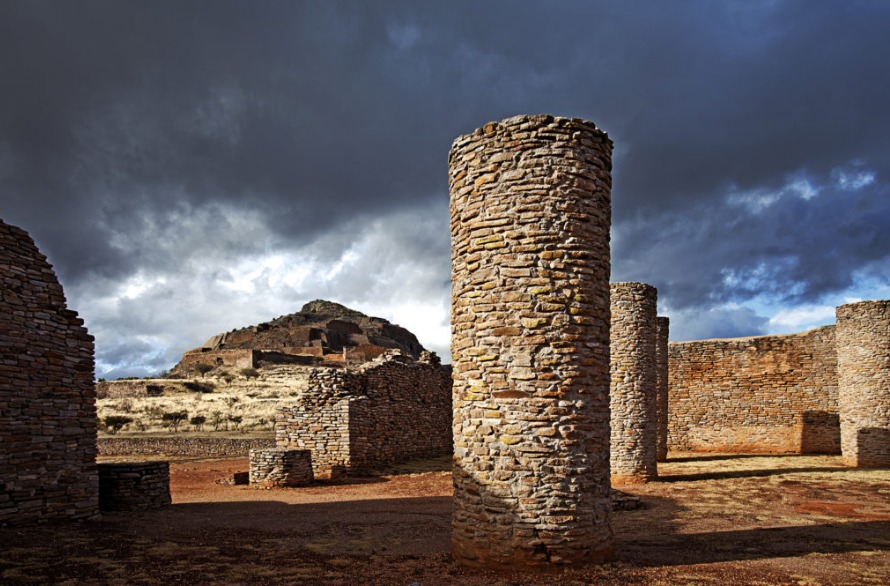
(769, 394)
(662, 329)
(134, 486)
(389, 410)
(47, 393)
(633, 383)
(279, 468)
(530, 217)
(863, 355)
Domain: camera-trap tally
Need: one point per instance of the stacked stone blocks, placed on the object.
(530, 217)
(767, 394)
(387, 411)
(863, 356)
(280, 468)
(662, 328)
(47, 393)
(134, 486)
(633, 370)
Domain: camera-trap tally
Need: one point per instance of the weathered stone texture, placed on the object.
(662, 326)
(280, 468)
(389, 410)
(633, 383)
(47, 393)
(769, 394)
(134, 486)
(863, 355)
(206, 447)
(530, 217)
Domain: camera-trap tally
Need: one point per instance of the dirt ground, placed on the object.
(735, 519)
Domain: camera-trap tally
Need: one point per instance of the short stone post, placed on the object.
(662, 327)
(280, 468)
(530, 216)
(863, 365)
(632, 393)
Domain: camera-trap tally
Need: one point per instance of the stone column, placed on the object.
(632, 392)
(530, 217)
(863, 368)
(662, 334)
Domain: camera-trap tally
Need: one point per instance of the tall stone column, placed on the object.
(530, 217)
(863, 368)
(662, 335)
(633, 374)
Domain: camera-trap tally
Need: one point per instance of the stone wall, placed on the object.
(389, 410)
(662, 333)
(633, 372)
(530, 217)
(47, 393)
(234, 358)
(770, 394)
(278, 468)
(863, 354)
(134, 486)
(182, 446)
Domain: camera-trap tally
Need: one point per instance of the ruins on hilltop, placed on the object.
(321, 332)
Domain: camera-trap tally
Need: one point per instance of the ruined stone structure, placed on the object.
(321, 332)
(633, 370)
(530, 217)
(863, 356)
(389, 410)
(662, 335)
(47, 393)
(134, 486)
(768, 394)
(279, 468)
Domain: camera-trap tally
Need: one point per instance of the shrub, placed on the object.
(173, 419)
(217, 420)
(203, 368)
(199, 387)
(114, 423)
(198, 422)
(236, 420)
(250, 372)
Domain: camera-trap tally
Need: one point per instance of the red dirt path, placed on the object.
(734, 519)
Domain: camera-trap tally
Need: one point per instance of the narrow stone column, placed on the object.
(863, 368)
(632, 392)
(530, 216)
(662, 327)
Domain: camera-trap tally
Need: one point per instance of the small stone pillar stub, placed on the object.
(280, 468)
(863, 367)
(530, 217)
(633, 383)
(662, 328)
(134, 486)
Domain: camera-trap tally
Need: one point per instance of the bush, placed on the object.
(199, 387)
(203, 368)
(217, 420)
(114, 423)
(173, 419)
(198, 422)
(236, 420)
(250, 372)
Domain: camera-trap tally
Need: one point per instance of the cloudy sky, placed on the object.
(192, 167)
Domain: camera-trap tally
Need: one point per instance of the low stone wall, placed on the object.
(389, 410)
(184, 446)
(279, 468)
(770, 394)
(134, 486)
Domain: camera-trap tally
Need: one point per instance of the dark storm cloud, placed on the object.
(154, 138)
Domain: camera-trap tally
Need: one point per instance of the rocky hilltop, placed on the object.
(322, 331)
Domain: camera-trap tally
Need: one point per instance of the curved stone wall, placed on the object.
(530, 217)
(863, 360)
(134, 486)
(633, 383)
(662, 335)
(47, 393)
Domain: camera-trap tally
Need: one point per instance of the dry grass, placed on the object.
(254, 400)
